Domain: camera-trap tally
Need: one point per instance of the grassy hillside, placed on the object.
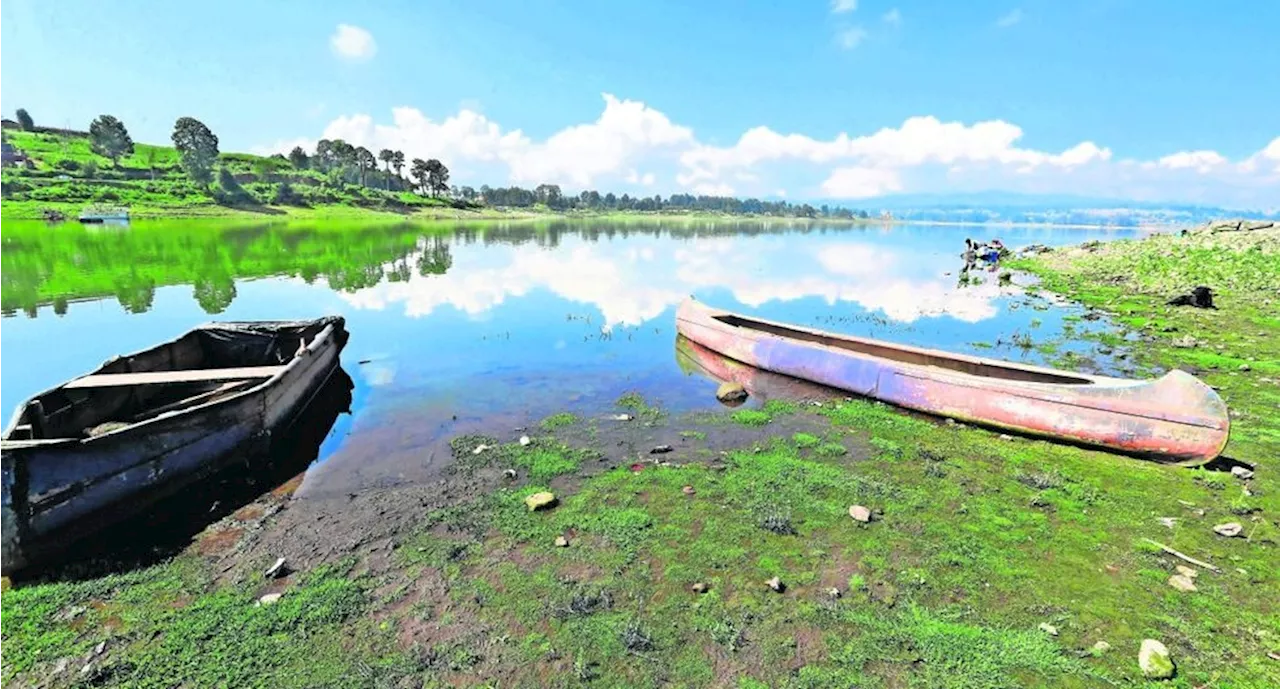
(61, 172)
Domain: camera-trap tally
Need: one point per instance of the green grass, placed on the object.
(559, 420)
(169, 625)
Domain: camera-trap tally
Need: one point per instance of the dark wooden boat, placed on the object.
(103, 446)
(1176, 418)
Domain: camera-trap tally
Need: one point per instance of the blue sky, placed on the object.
(1168, 100)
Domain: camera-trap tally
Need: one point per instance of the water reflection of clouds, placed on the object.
(634, 282)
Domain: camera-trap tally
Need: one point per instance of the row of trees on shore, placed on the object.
(343, 163)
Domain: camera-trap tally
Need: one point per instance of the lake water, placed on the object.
(493, 327)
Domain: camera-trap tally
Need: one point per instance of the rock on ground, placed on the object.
(860, 513)
(1154, 661)
(1182, 583)
(1230, 529)
(540, 501)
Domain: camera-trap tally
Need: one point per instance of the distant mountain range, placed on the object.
(995, 206)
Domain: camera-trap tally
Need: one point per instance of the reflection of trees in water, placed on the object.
(135, 292)
(43, 265)
(215, 293)
(435, 259)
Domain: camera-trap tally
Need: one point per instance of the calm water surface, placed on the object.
(497, 326)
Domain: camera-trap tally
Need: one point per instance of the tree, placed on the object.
(149, 157)
(364, 162)
(324, 155)
(549, 194)
(420, 172)
(298, 158)
(397, 162)
(108, 137)
(387, 155)
(343, 157)
(437, 177)
(24, 120)
(198, 148)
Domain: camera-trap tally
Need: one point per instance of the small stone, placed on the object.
(1242, 473)
(61, 666)
(776, 584)
(1167, 521)
(1187, 571)
(1246, 367)
(562, 542)
(660, 450)
(540, 501)
(860, 513)
(276, 570)
(700, 587)
(731, 392)
(479, 449)
(833, 592)
(524, 441)
(1101, 647)
(1230, 529)
(1048, 629)
(621, 417)
(1006, 436)
(269, 599)
(1182, 583)
(1184, 342)
(688, 490)
(1153, 660)
(100, 648)
(509, 473)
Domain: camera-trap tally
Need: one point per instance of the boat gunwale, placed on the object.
(1089, 381)
(321, 339)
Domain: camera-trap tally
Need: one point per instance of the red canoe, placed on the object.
(1176, 418)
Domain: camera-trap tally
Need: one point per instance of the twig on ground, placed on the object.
(1182, 556)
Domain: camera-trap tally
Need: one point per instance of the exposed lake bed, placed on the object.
(415, 560)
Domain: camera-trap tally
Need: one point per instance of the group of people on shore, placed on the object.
(989, 252)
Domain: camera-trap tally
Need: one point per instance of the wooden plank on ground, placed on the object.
(207, 375)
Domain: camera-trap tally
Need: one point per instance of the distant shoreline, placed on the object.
(33, 211)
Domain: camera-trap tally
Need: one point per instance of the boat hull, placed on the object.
(59, 491)
(1176, 418)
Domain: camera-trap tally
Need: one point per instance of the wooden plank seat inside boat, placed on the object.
(209, 375)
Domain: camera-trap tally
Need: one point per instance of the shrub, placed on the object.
(68, 164)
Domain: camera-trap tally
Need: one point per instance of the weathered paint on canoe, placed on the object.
(1176, 418)
(57, 491)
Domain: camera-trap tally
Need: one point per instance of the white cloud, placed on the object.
(852, 37)
(713, 190)
(1013, 17)
(843, 6)
(352, 43)
(893, 17)
(647, 179)
(861, 182)
(580, 154)
(1200, 161)
(632, 146)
